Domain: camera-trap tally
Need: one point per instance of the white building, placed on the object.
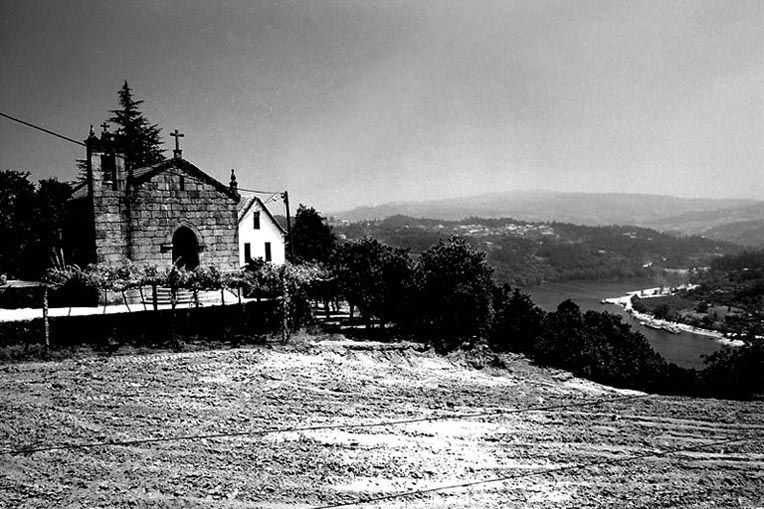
(260, 235)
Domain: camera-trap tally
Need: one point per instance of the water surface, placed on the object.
(684, 349)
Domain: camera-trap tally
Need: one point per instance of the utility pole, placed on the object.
(285, 196)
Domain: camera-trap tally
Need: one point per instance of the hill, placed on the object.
(742, 225)
(527, 253)
(344, 384)
(740, 221)
(592, 209)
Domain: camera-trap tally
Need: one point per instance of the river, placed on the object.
(683, 349)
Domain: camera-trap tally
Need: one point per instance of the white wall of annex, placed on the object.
(268, 232)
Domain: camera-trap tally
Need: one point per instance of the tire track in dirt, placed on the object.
(172, 394)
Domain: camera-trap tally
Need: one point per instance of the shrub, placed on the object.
(638, 304)
(598, 346)
(375, 277)
(517, 321)
(737, 372)
(454, 287)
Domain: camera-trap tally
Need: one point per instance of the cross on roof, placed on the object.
(177, 135)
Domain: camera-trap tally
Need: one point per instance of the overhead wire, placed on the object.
(320, 427)
(190, 177)
(72, 140)
(40, 128)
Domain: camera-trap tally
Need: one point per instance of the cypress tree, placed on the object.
(136, 137)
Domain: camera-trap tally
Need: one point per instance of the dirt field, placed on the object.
(166, 395)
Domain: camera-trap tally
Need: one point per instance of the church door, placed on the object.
(185, 249)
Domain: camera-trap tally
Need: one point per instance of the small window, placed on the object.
(256, 220)
(247, 252)
(267, 251)
(182, 183)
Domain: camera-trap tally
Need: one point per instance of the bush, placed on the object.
(737, 372)
(376, 278)
(638, 304)
(517, 321)
(454, 288)
(598, 346)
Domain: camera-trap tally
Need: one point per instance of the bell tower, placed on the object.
(107, 192)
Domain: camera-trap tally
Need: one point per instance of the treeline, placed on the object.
(447, 295)
(536, 252)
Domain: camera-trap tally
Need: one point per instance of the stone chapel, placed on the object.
(168, 213)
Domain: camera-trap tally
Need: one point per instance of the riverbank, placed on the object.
(647, 293)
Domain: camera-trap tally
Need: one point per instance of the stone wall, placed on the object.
(138, 223)
(111, 220)
(159, 207)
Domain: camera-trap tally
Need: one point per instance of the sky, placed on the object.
(350, 103)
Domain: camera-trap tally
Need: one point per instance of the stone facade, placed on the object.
(136, 215)
(159, 207)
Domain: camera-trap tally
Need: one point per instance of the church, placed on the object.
(168, 213)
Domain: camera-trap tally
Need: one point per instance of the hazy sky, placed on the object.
(350, 103)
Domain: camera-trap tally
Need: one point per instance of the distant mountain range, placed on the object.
(734, 220)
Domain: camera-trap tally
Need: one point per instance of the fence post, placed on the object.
(45, 323)
(154, 297)
(284, 308)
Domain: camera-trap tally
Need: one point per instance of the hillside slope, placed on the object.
(592, 209)
(741, 225)
(525, 253)
(342, 382)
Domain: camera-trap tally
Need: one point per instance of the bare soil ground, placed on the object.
(333, 381)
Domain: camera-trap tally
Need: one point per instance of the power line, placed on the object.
(519, 475)
(258, 192)
(53, 133)
(320, 427)
(271, 194)
(47, 131)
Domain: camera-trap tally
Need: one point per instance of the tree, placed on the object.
(312, 238)
(17, 205)
(517, 321)
(599, 346)
(374, 277)
(737, 372)
(136, 138)
(398, 285)
(662, 311)
(638, 304)
(31, 223)
(49, 219)
(454, 288)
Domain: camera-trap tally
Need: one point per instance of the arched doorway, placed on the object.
(185, 249)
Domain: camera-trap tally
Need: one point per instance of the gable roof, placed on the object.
(79, 191)
(141, 175)
(247, 203)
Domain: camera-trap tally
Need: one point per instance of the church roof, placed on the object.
(246, 204)
(141, 175)
(79, 191)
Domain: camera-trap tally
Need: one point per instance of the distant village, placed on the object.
(519, 229)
